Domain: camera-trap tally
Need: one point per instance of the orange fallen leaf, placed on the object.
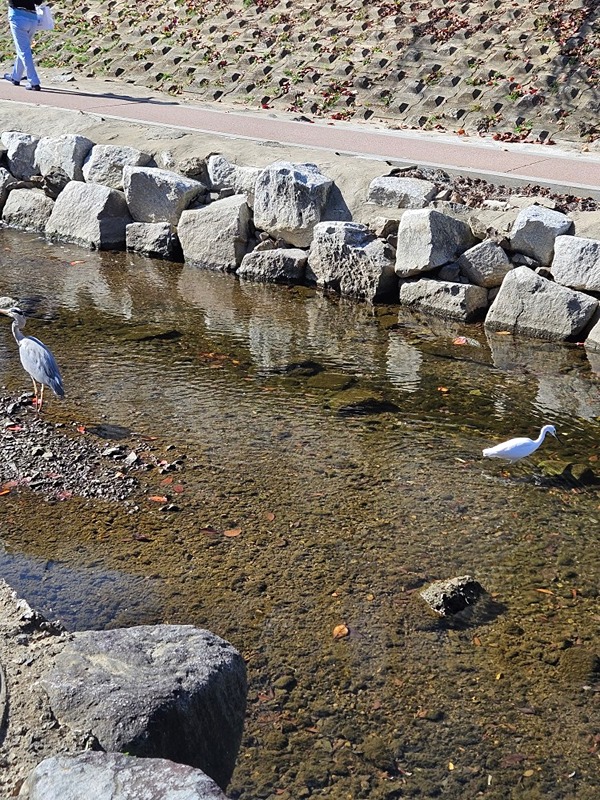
(340, 631)
(269, 516)
(545, 591)
(178, 487)
(76, 262)
(14, 428)
(167, 481)
(460, 340)
(504, 333)
(157, 498)
(574, 593)
(443, 389)
(593, 458)
(4, 491)
(232, 532)
(477, 641)
(81, 428)
(209, 530)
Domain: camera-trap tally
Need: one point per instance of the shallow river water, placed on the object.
(340, 445)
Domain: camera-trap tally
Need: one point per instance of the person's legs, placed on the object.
(23, 25)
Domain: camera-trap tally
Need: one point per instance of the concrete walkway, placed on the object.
(564, 170)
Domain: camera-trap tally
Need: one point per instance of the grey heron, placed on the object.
(36, 358)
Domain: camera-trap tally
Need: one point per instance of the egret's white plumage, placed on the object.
(521, 447)
(36, 358)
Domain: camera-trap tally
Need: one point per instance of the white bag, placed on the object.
(45, 20)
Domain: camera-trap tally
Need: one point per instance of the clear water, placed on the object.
(356, 479)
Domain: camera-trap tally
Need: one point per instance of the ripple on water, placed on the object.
(344, 518)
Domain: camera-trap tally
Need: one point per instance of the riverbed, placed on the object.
(322, 463)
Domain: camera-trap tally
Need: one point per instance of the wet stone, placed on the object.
(453, 595)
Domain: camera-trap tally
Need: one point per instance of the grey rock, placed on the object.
(20, 153)
(534, 306)
(290, 200)
(428, 239)
(393, 192)
(576, 263)
(90, 215)
(445, 299)
(66, 152)
(27, 209)
(216, 236)
(451, 272)
(277, 265)
(157, 195)
(535, 230)
(347, 258)
(225, 175)
(105, 163)
(485, 264)
(154, 239)
(453, 595)
(161, 691)
(6, 181)
(112, 776)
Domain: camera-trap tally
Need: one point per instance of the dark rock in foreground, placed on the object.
(168, 691)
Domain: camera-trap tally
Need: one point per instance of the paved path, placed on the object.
(507, 163)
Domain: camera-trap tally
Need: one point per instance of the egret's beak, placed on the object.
(558, 439)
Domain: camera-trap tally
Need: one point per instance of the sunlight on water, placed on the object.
(345, 442)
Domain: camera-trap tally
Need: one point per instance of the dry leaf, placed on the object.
(210, 530)
(450, 766)
(81, 428)
(4, 491)
(157, 498)
(545, 591)
(232, 532)
(178, 487)
(340, 631)
(504, 333)
(14, 428)
(167, 481)
(460, 340)
(269, 516)
(443, 389)
(476, 641)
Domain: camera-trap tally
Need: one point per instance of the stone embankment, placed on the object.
(523, 266)
(78, 710)
(522, 70)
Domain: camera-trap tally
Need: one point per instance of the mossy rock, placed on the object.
(331, 381)
(578, 665)
(569, 473)
(360, 401)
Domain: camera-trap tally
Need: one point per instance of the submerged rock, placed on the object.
(453, 595)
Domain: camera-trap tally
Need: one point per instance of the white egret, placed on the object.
(521, 447)
(36, 358)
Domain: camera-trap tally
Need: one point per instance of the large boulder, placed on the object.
(105, 163)
(157, 195)
(428, 239)
(290, 200)
(216, 236)
(90, 215)
(225, 175)
(576, 263)
(158, 691)
(112, 776)
(392, 192)
(533, 306)
(461, 301)
(20, 154)
(66, 152)
(347, 258)
(279, 265)
(534, 231)
(154, 239)
(485, 264)
(27, 209)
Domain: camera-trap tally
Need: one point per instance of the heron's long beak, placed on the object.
(557, 437)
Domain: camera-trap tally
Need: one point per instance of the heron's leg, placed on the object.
(41, 400)
(35, 392)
